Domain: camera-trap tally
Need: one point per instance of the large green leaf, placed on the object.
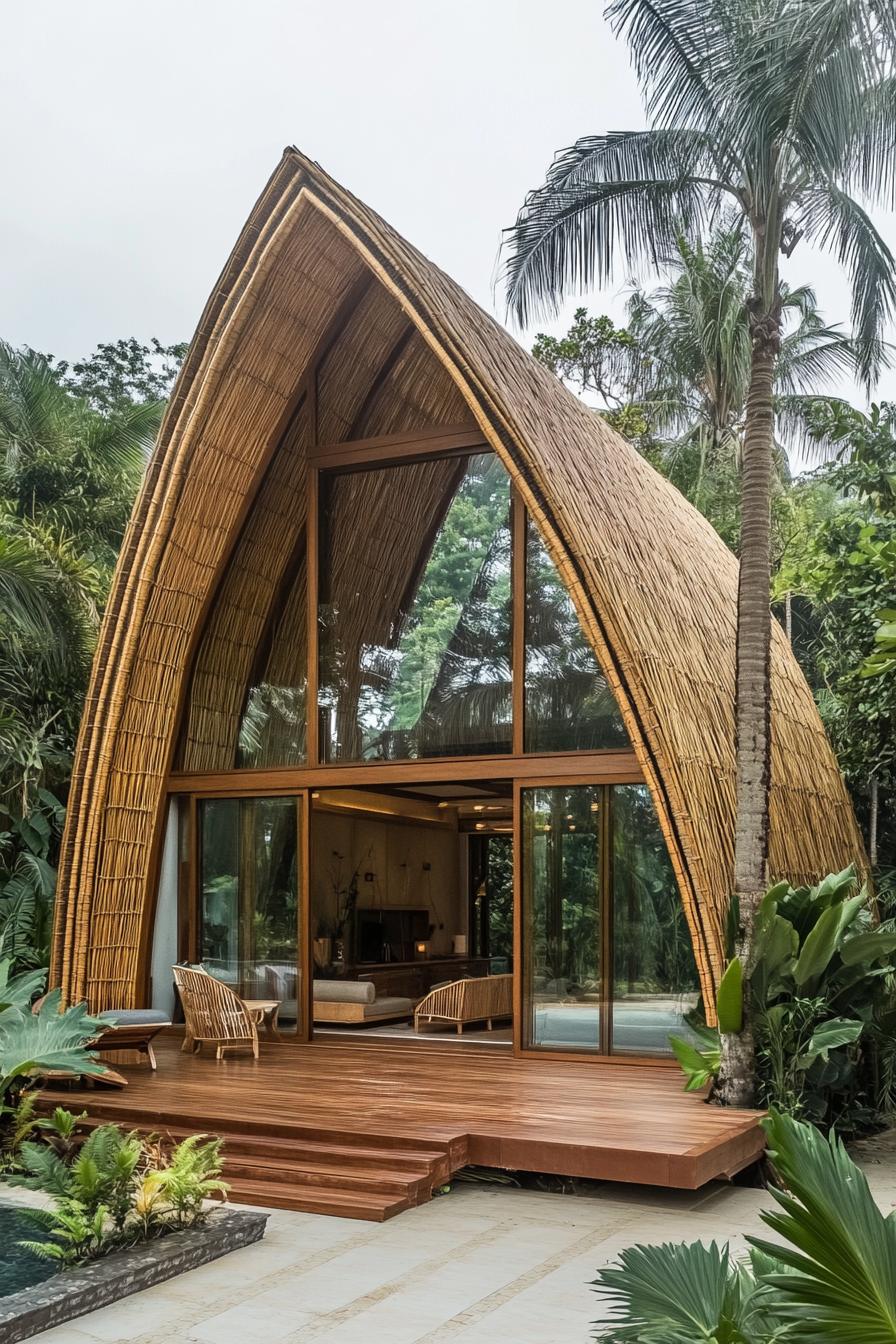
(839, 1247)
(832, 1034)
(18, 991)
(821, 943)
(777, 944)
(700, 1068)
(681, 1294)
(31, 1043)
(730, 997)
(868, 947)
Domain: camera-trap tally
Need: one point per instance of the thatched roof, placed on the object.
(324, 310)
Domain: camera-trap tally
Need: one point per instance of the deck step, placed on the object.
(366, 1205)
(369, 1179)
(384, 1180)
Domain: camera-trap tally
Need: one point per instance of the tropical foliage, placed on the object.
(674, 380)
(823, 1014)
(70, 466)
(780, 113)
(831, 1276)
(114, 1188)
(32, 1043)
(837, 576)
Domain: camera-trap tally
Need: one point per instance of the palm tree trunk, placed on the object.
(737, 1078)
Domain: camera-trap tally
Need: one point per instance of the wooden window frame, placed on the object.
(523, 769)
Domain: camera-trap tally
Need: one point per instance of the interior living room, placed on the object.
(412, 910)
(409, 894)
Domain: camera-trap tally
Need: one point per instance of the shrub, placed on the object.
(821, 988)
(115, 1188)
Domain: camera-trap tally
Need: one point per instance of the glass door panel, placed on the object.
(655, 981)
(562, 853)
(249, 905)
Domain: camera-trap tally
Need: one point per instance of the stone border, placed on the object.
(73, 1292)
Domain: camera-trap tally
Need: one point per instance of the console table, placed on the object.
(414, 979)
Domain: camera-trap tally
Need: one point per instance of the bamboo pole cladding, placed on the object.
(326, 325)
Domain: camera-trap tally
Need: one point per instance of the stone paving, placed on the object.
(482, 1265)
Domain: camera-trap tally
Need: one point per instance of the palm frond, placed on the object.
(680, 54)
(840, 1250)
(832, 219)
(625, 196)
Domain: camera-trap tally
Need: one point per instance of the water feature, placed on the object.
(20, 1268)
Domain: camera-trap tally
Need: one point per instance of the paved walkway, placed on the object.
(482, 1265)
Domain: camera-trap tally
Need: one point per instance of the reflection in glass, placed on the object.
(248, 893)
(568, 704)
(415, 611)
(491, 900)
(655, 975)
(272, 728)
(561, 916)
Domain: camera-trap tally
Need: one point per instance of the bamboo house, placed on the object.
(414, 673)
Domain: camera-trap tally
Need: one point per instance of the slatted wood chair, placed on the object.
(214, 1014)
(478, 1000)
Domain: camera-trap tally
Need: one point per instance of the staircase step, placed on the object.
(300, 1152)
(381, 1180)
(367, 1205)
(248, 1130)
(332, 1175)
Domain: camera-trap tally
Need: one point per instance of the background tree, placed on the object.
(780, 111)
(678, 374)
(122, 372)
(68, 478)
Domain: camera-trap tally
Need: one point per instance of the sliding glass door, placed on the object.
(249, 903)
(561, 879)
(607, 961)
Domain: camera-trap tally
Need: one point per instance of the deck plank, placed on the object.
(629, 1122)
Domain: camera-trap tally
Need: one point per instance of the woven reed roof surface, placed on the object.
(654, 586)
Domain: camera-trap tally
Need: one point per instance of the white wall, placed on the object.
(164, 941)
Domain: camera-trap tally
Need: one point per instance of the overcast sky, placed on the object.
(138, 135)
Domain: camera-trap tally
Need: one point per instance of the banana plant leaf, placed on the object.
(821, 943)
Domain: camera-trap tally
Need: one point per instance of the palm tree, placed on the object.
(693, 340)
(780, 110)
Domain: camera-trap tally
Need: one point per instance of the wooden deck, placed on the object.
(367, 1128)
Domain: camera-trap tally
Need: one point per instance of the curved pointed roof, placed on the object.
(654, 586)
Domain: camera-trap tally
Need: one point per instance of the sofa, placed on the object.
(356, 1003)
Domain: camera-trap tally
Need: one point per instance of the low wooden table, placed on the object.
(265, 1012)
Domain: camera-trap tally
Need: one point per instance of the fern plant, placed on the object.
(114, 1188)
(73, 1233)
(192, 1176)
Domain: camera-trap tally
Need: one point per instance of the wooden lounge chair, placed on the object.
(478, 1000)
(214, 1015)
(131, 1029)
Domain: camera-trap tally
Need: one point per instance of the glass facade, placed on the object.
(415, 611)
(415, 631)
(568, 704)
(272, 728)
(248, 897)
(596, 875)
